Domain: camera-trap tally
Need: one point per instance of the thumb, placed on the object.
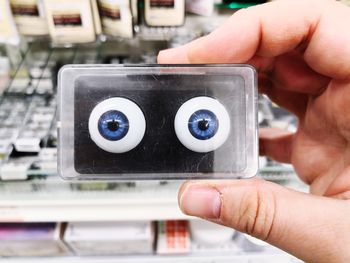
(309, 227)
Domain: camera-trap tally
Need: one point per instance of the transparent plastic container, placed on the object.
(157, 122)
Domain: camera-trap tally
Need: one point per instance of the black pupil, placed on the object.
(203, 125)
(113, 125)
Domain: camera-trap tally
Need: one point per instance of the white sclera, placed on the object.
(181, 124)
(137, 125)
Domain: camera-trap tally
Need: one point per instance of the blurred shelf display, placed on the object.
(32, 191)
(66, 218)
(130, 241)
(347, 2)
(35, 239)
(213, 258)
(51, 200)
(60, 201)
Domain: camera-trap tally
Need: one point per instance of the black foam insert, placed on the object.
(159, 97)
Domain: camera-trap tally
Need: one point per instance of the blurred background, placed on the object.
(46, 219)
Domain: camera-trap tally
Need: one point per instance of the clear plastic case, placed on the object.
(157, 122)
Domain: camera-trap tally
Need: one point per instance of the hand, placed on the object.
(301, 50)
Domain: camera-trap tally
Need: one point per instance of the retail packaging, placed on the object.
(30, 17)
(97, 19)
(206, 233)
(116, 18)
(157, 122)
(5, 70)
(70, 21)
(8, 30)
(107, 238)
(16, 169)
(200, 7)
(31, 239)
(37, 125)
(164, 12)
(173, 237)
(134, 11)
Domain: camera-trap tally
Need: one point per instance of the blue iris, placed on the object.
(113, 125)
(203, 124)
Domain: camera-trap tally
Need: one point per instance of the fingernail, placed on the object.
(201, 200)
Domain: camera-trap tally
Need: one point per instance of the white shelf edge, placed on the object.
(212, 258)
(88, 210)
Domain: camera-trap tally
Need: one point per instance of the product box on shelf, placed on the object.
(165, 12)
(96, 16)
(108, 238)
(173, 237)
(116, 18)
(70, 21)
(8, 30)
(31, 239)
(30, 17)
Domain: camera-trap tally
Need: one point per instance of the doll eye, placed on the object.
(117, 125)
(113, 125)
(202, 124)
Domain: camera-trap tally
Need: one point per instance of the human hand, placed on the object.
(301, 50)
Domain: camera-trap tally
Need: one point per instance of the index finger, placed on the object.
(316, 27)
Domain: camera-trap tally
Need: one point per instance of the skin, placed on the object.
(301, 50)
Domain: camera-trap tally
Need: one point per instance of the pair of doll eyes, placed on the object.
(117, 125)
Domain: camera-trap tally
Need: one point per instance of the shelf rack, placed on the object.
(204, 258)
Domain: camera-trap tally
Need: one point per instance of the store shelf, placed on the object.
(62, 201)
(51, 199)
(55, 200)
(205, 258)
(31, 191)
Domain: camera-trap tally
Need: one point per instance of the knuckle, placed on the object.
(257, 211)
